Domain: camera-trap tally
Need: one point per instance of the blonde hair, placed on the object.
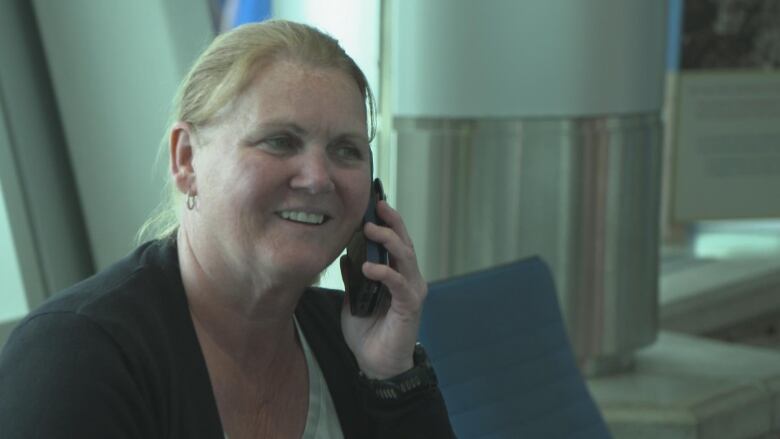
(222, 72)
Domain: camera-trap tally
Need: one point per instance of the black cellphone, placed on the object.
(366, 295)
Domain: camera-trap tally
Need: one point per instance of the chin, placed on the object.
(298, 269)
(298, 261)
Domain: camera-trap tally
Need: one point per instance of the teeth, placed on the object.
(303, 217)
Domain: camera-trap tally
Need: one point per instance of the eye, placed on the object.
(348, 151)
(280, 144)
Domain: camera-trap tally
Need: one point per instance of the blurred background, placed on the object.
(633, 144)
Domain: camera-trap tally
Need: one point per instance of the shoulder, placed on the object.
(131, 312)
(136, 293)
(55, 355)
(138, 277)
(123, 342)
(65, 373)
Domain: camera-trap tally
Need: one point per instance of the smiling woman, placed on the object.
(212, 328)
(276, 151)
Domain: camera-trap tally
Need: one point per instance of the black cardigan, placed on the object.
(116, 356)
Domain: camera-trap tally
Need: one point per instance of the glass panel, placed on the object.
(13, 303)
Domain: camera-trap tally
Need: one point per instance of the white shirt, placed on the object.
(322, 421)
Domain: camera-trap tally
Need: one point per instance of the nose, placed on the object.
(313, 173)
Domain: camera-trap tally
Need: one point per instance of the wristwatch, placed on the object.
(420, 377)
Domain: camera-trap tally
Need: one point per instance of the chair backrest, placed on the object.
(500, 350)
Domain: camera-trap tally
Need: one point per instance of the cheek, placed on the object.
(354, 197)
(355, 189)
(359, 202)
(233, 189)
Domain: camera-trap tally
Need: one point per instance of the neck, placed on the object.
(253, 356)
(240, 322)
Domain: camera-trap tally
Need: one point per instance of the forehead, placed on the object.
(286, 89)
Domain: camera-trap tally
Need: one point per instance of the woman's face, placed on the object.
(283, 176)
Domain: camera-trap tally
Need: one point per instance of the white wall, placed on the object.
(354, 23)
(115, 67)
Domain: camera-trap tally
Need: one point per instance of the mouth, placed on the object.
(301, 217)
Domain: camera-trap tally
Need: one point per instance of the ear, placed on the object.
(182, 153)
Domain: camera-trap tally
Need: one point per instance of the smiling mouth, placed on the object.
(314, 219)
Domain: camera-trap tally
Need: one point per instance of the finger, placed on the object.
(402, 255)
(393, 219)
(405, 298)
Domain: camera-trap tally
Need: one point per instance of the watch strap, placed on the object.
(419, 378)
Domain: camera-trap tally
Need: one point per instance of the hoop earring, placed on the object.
(191, 199)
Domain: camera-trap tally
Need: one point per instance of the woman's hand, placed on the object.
(383, 343)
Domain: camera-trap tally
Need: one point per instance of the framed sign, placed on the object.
(726, 154)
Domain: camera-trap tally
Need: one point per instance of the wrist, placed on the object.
(389, 371)
(419, 378)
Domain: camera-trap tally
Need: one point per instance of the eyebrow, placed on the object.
(299, 130)
(294, 127)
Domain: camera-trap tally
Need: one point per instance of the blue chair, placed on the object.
(505, 366)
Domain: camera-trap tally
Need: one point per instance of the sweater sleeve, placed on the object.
(63, 376)
(423, 415)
